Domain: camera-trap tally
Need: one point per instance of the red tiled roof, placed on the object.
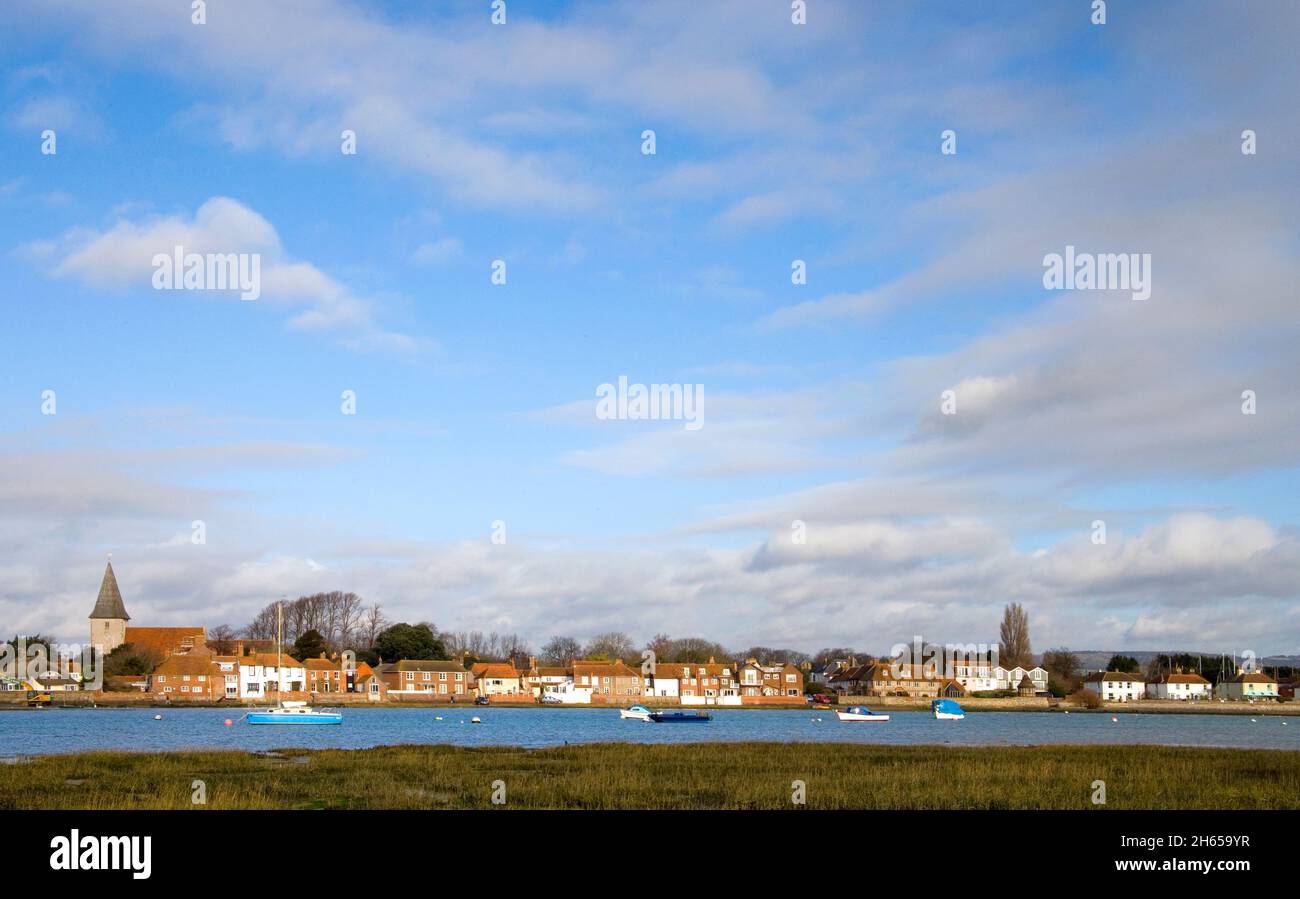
(267, 660)
(495, 669)
(186, 665)
(1181, 679)
(164, 640)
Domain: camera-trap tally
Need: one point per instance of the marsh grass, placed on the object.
(696, 776)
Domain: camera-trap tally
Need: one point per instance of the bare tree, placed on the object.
(611, 645)
(1014, 648)
(1062, 665)
(222, 639)
(561, 650)
(372, 624)
(262, 627)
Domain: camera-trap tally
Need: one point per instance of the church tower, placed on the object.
(109, 618)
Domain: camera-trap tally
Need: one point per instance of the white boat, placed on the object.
(635, 713)
(859, 713)
(289, 712)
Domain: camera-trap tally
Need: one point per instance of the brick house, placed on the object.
(328, 676)
(428, 678)
(880, 679)
(703, 681)
(188, 677)
(370, 683)
(608, 681)
(778, 679)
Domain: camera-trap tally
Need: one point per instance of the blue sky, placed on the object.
(775, 142)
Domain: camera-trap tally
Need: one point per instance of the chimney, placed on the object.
(532, 662)
(711, 661)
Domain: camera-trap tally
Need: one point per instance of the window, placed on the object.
(442, 675)
(162, 678)
(427, 676)
(410, 675)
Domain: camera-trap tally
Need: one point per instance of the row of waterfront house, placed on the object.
(1251, 686)
(250, 670)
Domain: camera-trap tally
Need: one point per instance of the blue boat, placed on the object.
(675, 717)
(947, 710)
(294, 713)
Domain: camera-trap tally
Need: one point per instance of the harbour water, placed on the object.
(41, 732)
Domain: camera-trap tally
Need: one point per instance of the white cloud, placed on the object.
(122, 257)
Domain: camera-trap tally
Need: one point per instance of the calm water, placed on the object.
(74, 730)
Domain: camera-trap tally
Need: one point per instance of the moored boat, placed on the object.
(860, 713)
(635, 713)
(294, 713)
(676, 717)
(947, 710)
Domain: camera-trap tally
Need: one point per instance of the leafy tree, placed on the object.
(409, 641)
(131, 661)
(1126, 664)
(561, 650)
(1014, 648)
(309, 645)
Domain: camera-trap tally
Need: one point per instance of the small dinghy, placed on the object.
(635, 713)
(860, 713)
(947, 710)
(674, 717)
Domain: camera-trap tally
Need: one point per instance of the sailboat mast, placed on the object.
(279, 642)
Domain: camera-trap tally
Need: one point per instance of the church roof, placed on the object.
(109, 604)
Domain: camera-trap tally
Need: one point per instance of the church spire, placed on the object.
(109, 604)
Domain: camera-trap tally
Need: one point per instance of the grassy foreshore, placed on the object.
(695, 776)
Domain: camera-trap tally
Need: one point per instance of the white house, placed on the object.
(976, 675)
(1247, 685)
(1013, 676)
(1179, 686)
(568, 694)
(259, 678)
(1117, 686)
(663, 682)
